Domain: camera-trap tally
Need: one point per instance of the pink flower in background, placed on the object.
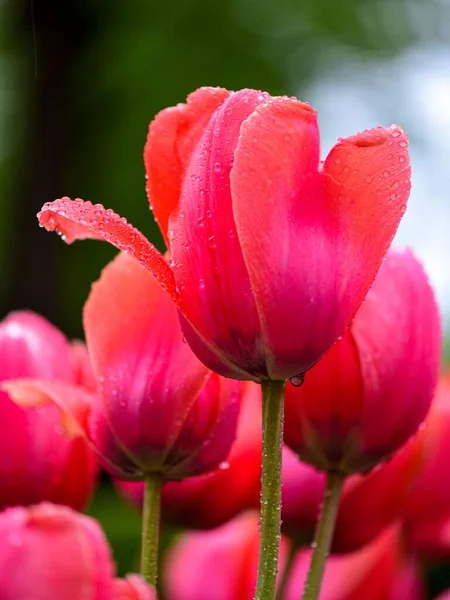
(426, 521)
(210, 500)
(216, 565)
(49, 552)
(40, 459)
(272, 251)
(379, 571)
(374, 387)
(158, 408)
(369, 503)
(221, 565)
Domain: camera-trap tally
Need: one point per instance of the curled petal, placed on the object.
(75, 402)
(172, 137)
(79, 220)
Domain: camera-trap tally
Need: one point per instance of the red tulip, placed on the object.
(49, 552)
(210, 500)
(39, 458)
(158, 409)
(427, 514)
(369, 503)
(444, 596)
(373, 389)
(244, 204)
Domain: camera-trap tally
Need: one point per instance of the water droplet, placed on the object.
(297, 380)
(386, 173)
(212, 241)
(217, 167)
(224, 465)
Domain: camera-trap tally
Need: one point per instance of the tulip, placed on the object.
(49, 552)
(160, 413)
(209, 500)
(444, 596)
(368, 505)
(210, 163)
(426, 520)
(39, 458)
(372, 390)
(228, 173)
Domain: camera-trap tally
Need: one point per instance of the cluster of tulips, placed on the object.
(272, 384)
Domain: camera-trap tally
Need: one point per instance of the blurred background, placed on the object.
(81, 79)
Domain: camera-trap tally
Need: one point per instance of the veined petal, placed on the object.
(79, 220)
(172, 137)
(209, 269)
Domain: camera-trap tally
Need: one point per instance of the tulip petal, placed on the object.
(79, 220)
(74, 401)
(398, 324)
(367, 184)
(208, 265)
(306, 217)
(172, 137)
(277, 208)
(140, 359)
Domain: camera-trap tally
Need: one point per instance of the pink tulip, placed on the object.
(444, 596)
(369, 503)
(158, 408)
(272, 251)
(39, 458)
(210, 500)
(49, 552)
(216, 565)
(427, 513)
(374, 387)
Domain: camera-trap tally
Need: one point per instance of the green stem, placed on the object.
(150, 526)
(324, 535)
(281, 590)
(273, 402)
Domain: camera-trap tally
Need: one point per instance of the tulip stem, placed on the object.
(273, 402)
(150, 526)
(324, 535)
(282, 586)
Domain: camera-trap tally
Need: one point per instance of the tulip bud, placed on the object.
(50, 552)
(372, 390)
(212, 499)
